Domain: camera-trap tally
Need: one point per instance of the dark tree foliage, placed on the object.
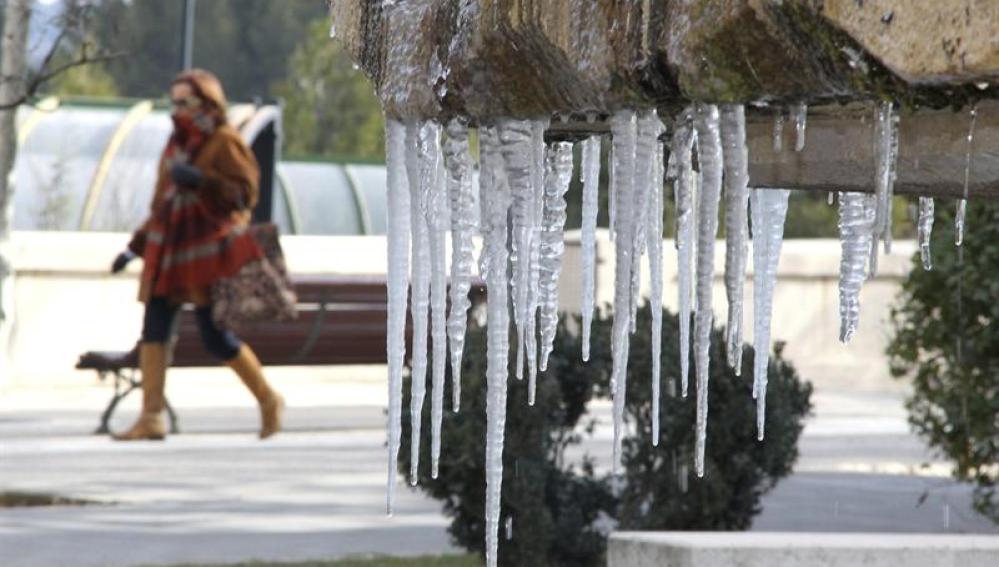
(245, 42)
(561, 508)
(947, 342)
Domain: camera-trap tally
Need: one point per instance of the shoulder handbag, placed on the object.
(260, 291)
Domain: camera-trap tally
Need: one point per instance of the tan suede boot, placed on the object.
(150, 426)
(248, 368)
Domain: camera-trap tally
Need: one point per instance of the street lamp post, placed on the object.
(187, 47)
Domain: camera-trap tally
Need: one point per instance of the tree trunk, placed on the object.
(13, 76)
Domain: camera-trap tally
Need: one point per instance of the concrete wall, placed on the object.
(693, 549)
(66, 302)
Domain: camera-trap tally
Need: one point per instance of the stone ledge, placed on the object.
(761, 549)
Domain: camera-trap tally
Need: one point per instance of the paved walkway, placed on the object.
(216, 494)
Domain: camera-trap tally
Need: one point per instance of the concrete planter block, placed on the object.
(734, 549)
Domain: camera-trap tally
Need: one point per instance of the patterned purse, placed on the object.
(260, 291)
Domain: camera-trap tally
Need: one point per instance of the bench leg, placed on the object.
(119, 394)
(123, 386)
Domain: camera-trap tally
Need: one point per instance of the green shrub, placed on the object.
(562, 511)
(946, 341)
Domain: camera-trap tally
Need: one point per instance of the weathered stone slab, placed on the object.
(527, 58)
(924, 41)
(760, 549)
(839, 152)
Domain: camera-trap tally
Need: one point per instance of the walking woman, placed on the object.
(196, 234)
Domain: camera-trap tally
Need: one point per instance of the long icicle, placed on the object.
(645, 150)
(438, 223)
(591, 186)
(518, 157)
(886, 153)
(420, 170)
(462, 201)
(496, 193)
(530, 343)
(736, 158)
(558, 174)
(710, 157)
(962, 204)
(624, 132)
(924, 227)
(769, 212)
(856, 226)
(654, 245)
(682, 173)
(397, 223)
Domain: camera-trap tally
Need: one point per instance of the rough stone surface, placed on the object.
(925, 41)
(526, 58)
(693, 549)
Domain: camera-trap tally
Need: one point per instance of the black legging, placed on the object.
(160, 320)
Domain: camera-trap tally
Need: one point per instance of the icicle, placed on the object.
(710, 157)
(558, 174)
(769, 211)
(624, 132)
(962, 204)
(518, 156)
(591, 186)
(856, 225)
(496, 193)
(648, 130)
(799, 113)
(530, 342)
(779, 131)
(885, 152)
(421, 167)
(736, 157)
(397, 223)
(654, 245)
(925, 228)
(683, 174)
(462, 201)
(611, 194)
(438, 223)
(831, 198)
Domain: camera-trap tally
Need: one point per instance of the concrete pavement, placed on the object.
(216, 494)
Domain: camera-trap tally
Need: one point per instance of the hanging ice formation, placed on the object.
(799, 113)
(648, 127)
(438, 223)
(769, 208)
(681, 171)
(736, 158)
(962, 204)
(924, 229)
(398, 226)
(624, 133)
(856, 227)
(779, 131)
(591, 185)
(459, 187)
(885, 156)
(420, 169)
(654, 247)
(495, 193)
(710, 157)
(530, 343)
(558, 174)
(521, 143)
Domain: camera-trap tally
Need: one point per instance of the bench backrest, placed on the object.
(341, 320)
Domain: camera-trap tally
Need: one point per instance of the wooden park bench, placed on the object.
(341, 320)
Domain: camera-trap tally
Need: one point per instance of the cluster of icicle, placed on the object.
(522, 210)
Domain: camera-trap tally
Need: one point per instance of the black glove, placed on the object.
(121, 261)
(187, 176)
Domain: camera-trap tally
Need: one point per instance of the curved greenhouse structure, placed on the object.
(90, 165)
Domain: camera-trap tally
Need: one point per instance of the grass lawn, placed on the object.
(427, 561)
